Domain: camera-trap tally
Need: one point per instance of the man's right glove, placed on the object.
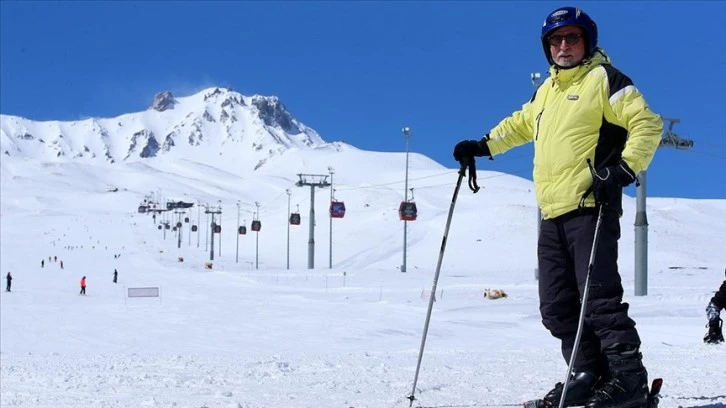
(607, 181)
(471, 148)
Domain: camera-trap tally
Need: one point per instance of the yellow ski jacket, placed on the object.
(590, 111)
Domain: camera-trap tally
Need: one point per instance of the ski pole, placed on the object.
(585, 293)
(474, 187)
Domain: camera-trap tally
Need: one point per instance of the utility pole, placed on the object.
(236, 256)
(212, 225)
(536, 79)
(331, 170)
(206, 234)
(407, 136)
(288, 228)
(670, 139)
(312, 180)
(199, 226)
(190, 227)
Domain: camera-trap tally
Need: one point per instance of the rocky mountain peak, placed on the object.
(163, 101)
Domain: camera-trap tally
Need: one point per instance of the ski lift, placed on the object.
(194, 228)
(256, 225)
(407, 211)
(186, 219)
(159, 227)
(178, 224)
(173, 229)
(167, 226)
(337, 209)
(217, 229)
(295, 219)
(242, 230)
(142, 209)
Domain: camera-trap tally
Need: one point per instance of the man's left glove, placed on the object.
(471, 148)
(608, 181)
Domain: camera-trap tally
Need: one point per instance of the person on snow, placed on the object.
(83, 286)
(587, 113)
(713, 311)
(115, 276)
(61, 264)
(42, 263)
(9, 279)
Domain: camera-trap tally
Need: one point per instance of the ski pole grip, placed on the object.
(469, 162)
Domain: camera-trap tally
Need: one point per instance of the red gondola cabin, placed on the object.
(256, 225)
(294, 219)
(407, 211)
(194, 228)
(242, 230)
(337, 209)
(217, 229)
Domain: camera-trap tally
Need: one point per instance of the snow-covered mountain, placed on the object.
(212, 125)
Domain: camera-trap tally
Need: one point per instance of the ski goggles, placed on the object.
(570, 39)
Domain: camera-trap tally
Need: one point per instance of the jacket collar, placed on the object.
(562, 76)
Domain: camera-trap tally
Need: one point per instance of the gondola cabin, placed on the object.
(256, 225)
(167, 226)
(159, 227)
(142, 209)
(407, 211)
(242, 230)
(217, 229)
(295, 219)
(186, 219)
(194, 228)
(337, 209)
(178, 224)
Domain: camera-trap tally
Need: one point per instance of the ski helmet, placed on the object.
(569, 16)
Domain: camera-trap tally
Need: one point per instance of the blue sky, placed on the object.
(360, 71)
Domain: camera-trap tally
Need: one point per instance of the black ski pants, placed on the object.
(563, 252)
(719, 298)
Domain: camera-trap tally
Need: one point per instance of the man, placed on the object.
(9, 279)
(83, 286)
(115, 276)
(586, 112)
(713, 312)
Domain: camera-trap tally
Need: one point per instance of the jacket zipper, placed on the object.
(539, 117)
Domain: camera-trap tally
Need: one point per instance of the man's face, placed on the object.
(567, 46)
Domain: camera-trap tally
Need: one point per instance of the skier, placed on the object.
(115, 276)
(83, 286)
(713, 311)
(587, 110)
(42, 263)
(61, 264)
(9, 278)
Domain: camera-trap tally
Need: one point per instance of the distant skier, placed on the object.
(713, 311)
(115, 276)
(55, 259)
(83, 286)
(61, 264)
(42, 263)
(9, 278)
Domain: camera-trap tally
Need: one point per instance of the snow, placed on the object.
(236, 336)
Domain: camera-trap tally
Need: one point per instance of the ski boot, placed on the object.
(627, 386)
(579, 389)
(715, 333)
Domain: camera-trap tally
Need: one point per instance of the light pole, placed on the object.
(536, 79)
(206, 234)
(236, 256)
(331, 170)
(288, 228)
(199, 226)
(407, 136)
(257, 237)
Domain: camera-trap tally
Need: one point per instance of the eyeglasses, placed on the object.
(570, 39)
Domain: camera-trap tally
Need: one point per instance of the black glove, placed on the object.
(607, 182)
(471, 148)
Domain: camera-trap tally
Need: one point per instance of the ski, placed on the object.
(652, 402)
